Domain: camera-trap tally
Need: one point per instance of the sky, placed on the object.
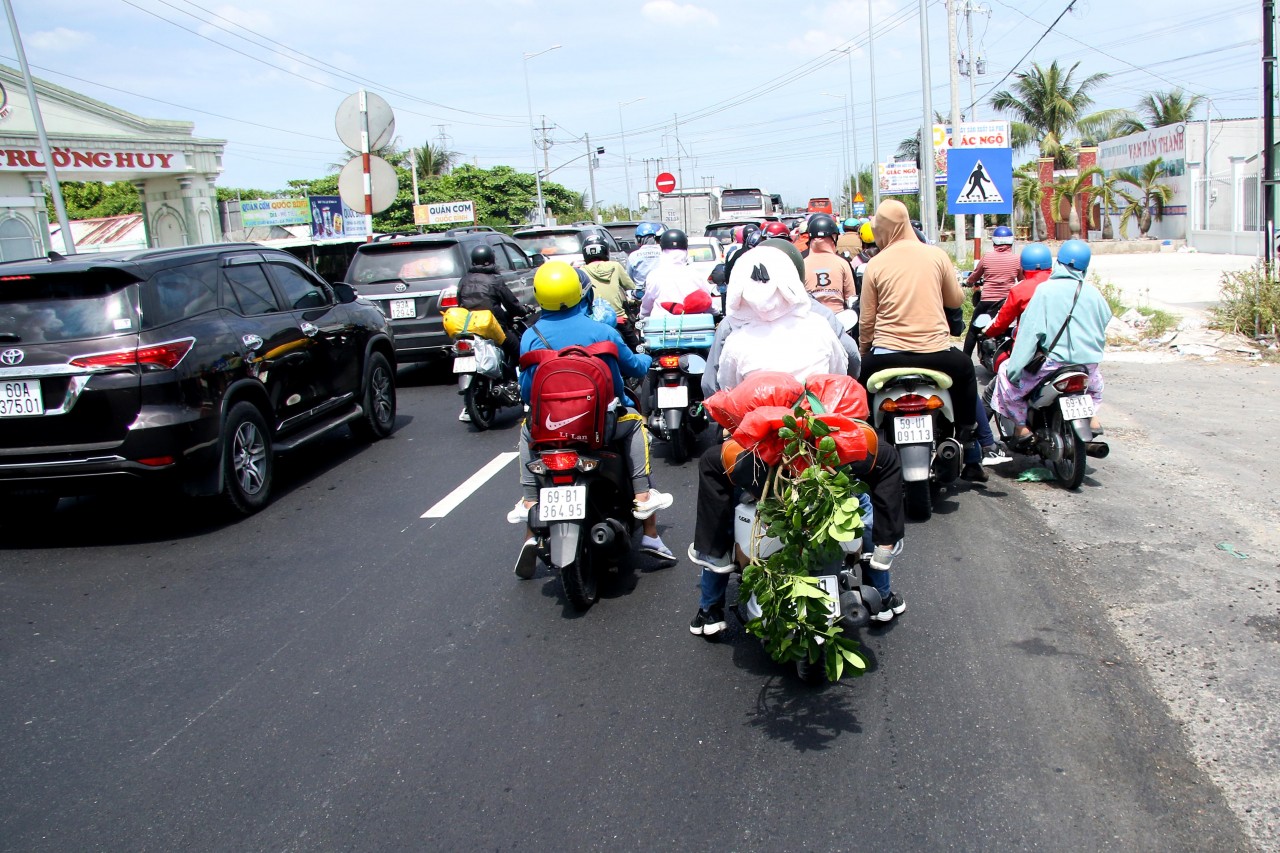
(748, 93)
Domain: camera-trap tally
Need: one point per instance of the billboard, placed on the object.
(973, 134)
(444, 213)
(262, 213)
(899, 177)
(331, 218)
(1138, 149)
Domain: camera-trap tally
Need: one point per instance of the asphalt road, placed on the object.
(337, 673)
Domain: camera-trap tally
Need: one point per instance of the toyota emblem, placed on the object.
(401, 287)
(10, 357)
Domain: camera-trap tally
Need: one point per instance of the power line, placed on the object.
(1061, 15)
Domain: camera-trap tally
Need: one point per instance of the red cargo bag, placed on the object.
(570, 396)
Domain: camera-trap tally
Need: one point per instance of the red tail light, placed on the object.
(164, 356)
(670, 362)
(157, 461)
(449, 298)
(463, 345)
(15, 278)
(563, 460)
(1072, 384)
(912, 404)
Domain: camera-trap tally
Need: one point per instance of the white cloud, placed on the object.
(678, 14)
(59, 38)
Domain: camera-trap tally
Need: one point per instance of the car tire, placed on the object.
(247, 460)
(378, 400)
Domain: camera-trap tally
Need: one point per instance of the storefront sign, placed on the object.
(899, 178)
(262, 213)
(973, 134)
(1139, 149)
(444, 213)
(331, 218)
(92, 160)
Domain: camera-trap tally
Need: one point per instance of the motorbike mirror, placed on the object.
(848, 319)
(692, 363)
(982, 321)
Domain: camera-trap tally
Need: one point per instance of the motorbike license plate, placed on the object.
(403, 309)
(562, 503)
(464, 364)
(1076, 406)
(913, 430)
(830, 584)
(21, 398)
(673, 396)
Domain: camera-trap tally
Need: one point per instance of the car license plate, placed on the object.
(464, 364)
(21, 398)
(562, 503)
(1076, 406)
(403, 309)
(913, 430)
(830, 584)
(673, 396)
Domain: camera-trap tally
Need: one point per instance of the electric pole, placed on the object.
(591, 174)
(1268, 134)
(875, 122)
(927, 193)
(969, 9)
(546, 147)
(954, 61)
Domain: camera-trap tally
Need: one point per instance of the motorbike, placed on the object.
(844, 580)
(673, 398)
(583, 520)
(992, 351)
(1058, 413)
(486, 380)
(912, 411)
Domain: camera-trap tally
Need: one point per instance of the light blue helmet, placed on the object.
(648, 229)
(1075, 254)
(1036, 256)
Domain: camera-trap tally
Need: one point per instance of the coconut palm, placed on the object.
(1158, 109)
(909, 148)
(1027, 196)
(390, 152)
(1109, 196)
(1147, 203)
(1068, 189)
(433, 160)
(1049, 104)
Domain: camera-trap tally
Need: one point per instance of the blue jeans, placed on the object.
(973, 451)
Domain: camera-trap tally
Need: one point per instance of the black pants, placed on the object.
(964, 383)
(985, 307)
(713, 530)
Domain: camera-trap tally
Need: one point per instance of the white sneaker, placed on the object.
(657, 500)
(464, 416)
(519, 514)
(527, 561)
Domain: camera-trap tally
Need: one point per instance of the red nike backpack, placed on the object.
(570, 396)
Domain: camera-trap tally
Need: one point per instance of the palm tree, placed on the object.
(1147, 204)
(909, 148)
(1109, 196)
(1068, 189)
(1027, 195)
(1158, 109)
(433, 160)
(1048, 104)
(389, 152)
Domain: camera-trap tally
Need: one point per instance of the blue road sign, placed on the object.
(859, 208)
(979, 180)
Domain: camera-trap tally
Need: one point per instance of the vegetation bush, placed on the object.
(1248, 302)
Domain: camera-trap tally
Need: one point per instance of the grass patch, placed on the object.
(1111, 293)
(1248, 302)
(1159, 322)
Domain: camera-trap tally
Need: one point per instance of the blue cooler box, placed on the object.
(683, 331)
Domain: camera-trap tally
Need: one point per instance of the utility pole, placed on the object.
(546, 147)
(684, 199)
(927, 192)
(954, 60)
(591, 175)
(969, 9)
(1268, 131)
(875, 121)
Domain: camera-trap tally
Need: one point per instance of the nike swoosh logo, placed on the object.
(555, 425)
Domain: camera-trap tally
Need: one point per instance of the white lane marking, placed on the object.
(469, 486)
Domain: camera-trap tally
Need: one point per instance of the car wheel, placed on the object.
(247, 463)
(379, 401)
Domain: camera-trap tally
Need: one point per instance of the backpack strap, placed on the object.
(538, 356)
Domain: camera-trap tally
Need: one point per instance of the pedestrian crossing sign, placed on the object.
(979, 180)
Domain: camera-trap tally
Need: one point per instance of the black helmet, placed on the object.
(594, 249)
(482, 256)
(674, 238)
(822, 225)
(752, 237)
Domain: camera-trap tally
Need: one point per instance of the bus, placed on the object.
(749, 203)
(820, 205)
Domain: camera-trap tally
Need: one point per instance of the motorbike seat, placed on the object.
(882, 378)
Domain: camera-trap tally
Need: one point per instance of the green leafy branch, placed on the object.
(810, 513)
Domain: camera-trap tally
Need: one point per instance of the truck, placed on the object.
(690, 212)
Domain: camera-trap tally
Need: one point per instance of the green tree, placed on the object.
(432, 160)
(1109, 196)
(95, 199)
(1158, 109)
(245, 194)
(1049, 104)
(390, 152)
(1068, 190)
(1151, 194)
(1027, 196)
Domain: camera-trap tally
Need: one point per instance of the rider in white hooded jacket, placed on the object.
(672, 278)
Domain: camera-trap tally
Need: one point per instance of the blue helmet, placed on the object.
(1036, 256)
(648, 229)
(1002, 236)
(851, 223)
(1075, 254)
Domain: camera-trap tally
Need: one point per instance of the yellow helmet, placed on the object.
(866, 234)
(556, 286)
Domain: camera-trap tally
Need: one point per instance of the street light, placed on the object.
(853, 130)
(845, 186)
(533, 147)
(626, 166)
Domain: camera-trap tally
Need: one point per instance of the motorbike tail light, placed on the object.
(1072, 384)
(462, 346)
(165, 356)
(670, 362)
(907, 404)
(560, 460)
(449, 298)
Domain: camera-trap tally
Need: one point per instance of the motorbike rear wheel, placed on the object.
(1070, 468)
(812, 674)
(682, 441)
(479, 403)
(579, 578)
(918, 500)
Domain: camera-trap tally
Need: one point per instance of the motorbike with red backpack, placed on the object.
(586, 511)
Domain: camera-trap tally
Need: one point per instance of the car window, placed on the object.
(561, 243)
(177, 293)
(51, 307)
(251, 289)
(300, 291)
(436, 260)
(701, 252)
(609, 241)
(500, 258)
(519, 260)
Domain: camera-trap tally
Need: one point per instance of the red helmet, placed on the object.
(776, 229)
(737, 234)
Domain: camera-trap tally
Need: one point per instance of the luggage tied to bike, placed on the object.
(458, 321)
(570, 395)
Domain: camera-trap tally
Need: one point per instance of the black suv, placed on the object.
(564, 242)
(414, 278)
(189, 366)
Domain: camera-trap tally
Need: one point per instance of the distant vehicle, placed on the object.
(749, 203)
(723, 230)
(794, 220)
(690, 212)
(564, 242)
(182, 368)
(820, 205)
(413, 279)
(704, 254)
(624, 232)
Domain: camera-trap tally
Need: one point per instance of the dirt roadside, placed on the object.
(1194, 470)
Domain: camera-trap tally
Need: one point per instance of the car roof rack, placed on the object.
(474, 229)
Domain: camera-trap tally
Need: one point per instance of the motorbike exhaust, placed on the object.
(948, 459)
(1097, 449)
(602, 535)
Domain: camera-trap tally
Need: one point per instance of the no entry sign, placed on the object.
(666, 182)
